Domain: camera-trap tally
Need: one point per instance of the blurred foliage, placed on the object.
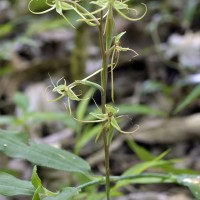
(19, 26)
(27, 118)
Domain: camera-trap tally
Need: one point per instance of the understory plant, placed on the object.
(16, 145)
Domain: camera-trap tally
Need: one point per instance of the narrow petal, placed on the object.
(117, 127)
(41, 12)
(129, 18)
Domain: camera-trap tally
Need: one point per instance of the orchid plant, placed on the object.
(16, 144)
(103, 18)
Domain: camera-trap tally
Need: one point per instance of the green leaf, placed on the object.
(44, 155)
(190, 98)
(141, 167)
(47, 156)
(13, 144)
(11, 186)
(192, 182)
(140, 109)
(145, 155)
(87, 135)
(66, 194)
(142, 153)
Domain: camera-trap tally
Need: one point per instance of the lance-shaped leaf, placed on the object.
(47, 156)
(194, 94)
(13, 145)
(11, 186)
(141, 167)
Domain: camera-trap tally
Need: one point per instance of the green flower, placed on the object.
(65, 90)
(119, 6)
(110, 122)
(66, 5)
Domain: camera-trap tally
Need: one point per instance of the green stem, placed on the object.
(104, 75)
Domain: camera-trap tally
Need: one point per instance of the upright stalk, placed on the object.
(104, 75)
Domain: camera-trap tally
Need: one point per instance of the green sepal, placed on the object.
(58, 7)
(99, 133)
(72, 95)
(66, 6)
(118, 37)
(115, 124)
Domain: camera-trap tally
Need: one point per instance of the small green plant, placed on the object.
(15, 145)
(109, 54)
